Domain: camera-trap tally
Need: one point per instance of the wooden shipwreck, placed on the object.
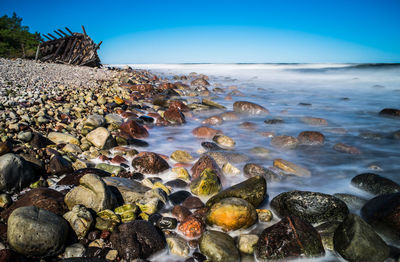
(71, 48)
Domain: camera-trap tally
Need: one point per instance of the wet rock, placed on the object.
(327, 231)
(38, 141)
(251, 170)
(5, 147)
(211, 103)
(167, 223)
(132, 129)
(312, 207)
(62, 138)
(351, 201)
(45, 198)
(247, 243)
(177, 183)
(383, 214)
(232, 214)
(193, 202)
(180, 212)
(224, 141)
(204, 162)
(112, 169)
(191, 227)
(71, 148)
(59, 166)
(130, 190)
(137, 239)
(73, 179)
(205, 132)
(284, 142)
(375, 184)
(199, 82)
(74, 251)
(273, 121)
(101, 138)
(179, 197)
(127, 212)
(230, 169)
(290, 237)
(179, 105)
(80, 220)
(253, 190)
(390, 112)
(8, 255)
(219, 247)
(107, 220)
(291, 168)
(36, 232)
(224, 157)
(355, 240)
(249, 108)
(181, 156)
(15, 173)
(340, 147)
(92, 193)
(213, 120)
(206, 184)
(149, 163)
(264, 215)
(174, 116)
(25, 136)
(94, 121)
(314, 121)
(311, 138)
(178, 246)
(230, 116)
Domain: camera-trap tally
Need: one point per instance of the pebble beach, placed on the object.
(125, 164)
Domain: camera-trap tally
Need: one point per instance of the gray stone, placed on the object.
(218, 247)
(101, 138)
(375, 184)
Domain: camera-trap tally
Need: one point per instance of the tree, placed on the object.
(15, 39)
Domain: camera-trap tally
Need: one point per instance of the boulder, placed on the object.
(15, 173)
(36, 232)
(137, 239)
(206, 184)
(130, 190)
(249, 108)
(291, 237)
(92, 193)
(232, 214)
(312, 207)
(375, 184)
(59, 166)
(253, 190)
(390, 112)
(149, 163)
(174, 116)
(101, 138)
(132, 129)
(219, 247)
(205, 161)
(355, 240)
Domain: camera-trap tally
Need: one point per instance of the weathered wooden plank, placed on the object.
(60, 35)
(62, 32)
(84, 31)
(55, 38)
(69, 31)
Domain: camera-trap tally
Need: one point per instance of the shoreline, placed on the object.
(81, 133)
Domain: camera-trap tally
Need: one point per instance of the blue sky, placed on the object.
(177, 31)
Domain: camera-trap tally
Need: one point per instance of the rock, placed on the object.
(74, 251)
(291, 168)
(15, 173)
(191, 227)
(180, 212)
(327, 231)
(45, 198)
(127, 212)
(206, 184)
(8, 255)
(80, 220)
(112, 169)
(94, 121)
(253, 190)
(179, 105)
(224, 141)
(213, 120)
(252, 170)
(59, 166)
(179, 197)
(204, 162)
(211, 103)
(193, 202)
(314, 121)
(312, 207)
(383, 213)
(219, 247)
(375, 184)
(132, 129)
(264, 215)
(181, 156)
(38, 141)
(101, 138)
(205, 132)
(137, 239)
(5, 147)
(131, 191)
(62, 138)
(247, 243)
(92, 193)
(351, 201)
(149, 163)
(284, 142)
(36, 232)
(73, 179)
(174, 116)
(71, 148)
(273, 121)
(249, 108)
(291, 237)
(355, 240)
(167, 223)
(230, 169)
(224, 157)
(232, 214)
(114, 120)
(229, 116)
(107, 220)
(199, 82)
(5, 200)
(178, 246)
(311, 138)
(390, 112)
(25, 136)
(340, 147)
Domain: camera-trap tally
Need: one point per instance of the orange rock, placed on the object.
(205, 132)
(191, 227)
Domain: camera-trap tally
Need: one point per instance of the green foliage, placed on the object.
(15, 39)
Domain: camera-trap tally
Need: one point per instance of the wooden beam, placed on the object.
(62, 32)
(84, 31)
(37, 52)
(60, 35)
(55, 38)
(67, 48)
(69, 31)
(47, 37)
(98, 45)
(58, 49)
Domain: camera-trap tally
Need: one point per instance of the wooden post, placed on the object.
(60, 35)
(69, 31)
(37, 52)
(52, 36)
(62, 32)
(84, 31)
(47, 37)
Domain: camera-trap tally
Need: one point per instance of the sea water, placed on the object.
(348, 96)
